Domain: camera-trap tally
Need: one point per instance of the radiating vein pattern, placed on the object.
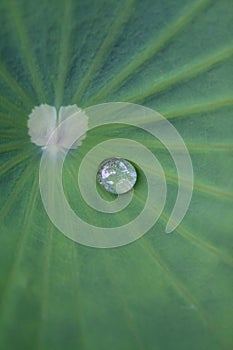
(25, 46)
(152, 48)
(185, 73)
(164, 291)
(113, 35)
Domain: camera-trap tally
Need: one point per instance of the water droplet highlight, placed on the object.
(117, 175)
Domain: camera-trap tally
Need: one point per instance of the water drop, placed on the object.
(116, 175)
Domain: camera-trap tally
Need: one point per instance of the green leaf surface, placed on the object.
(164, 291)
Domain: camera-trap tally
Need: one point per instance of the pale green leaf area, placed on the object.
(164, 291)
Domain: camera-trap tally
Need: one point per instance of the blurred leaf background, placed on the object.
(163, 291)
